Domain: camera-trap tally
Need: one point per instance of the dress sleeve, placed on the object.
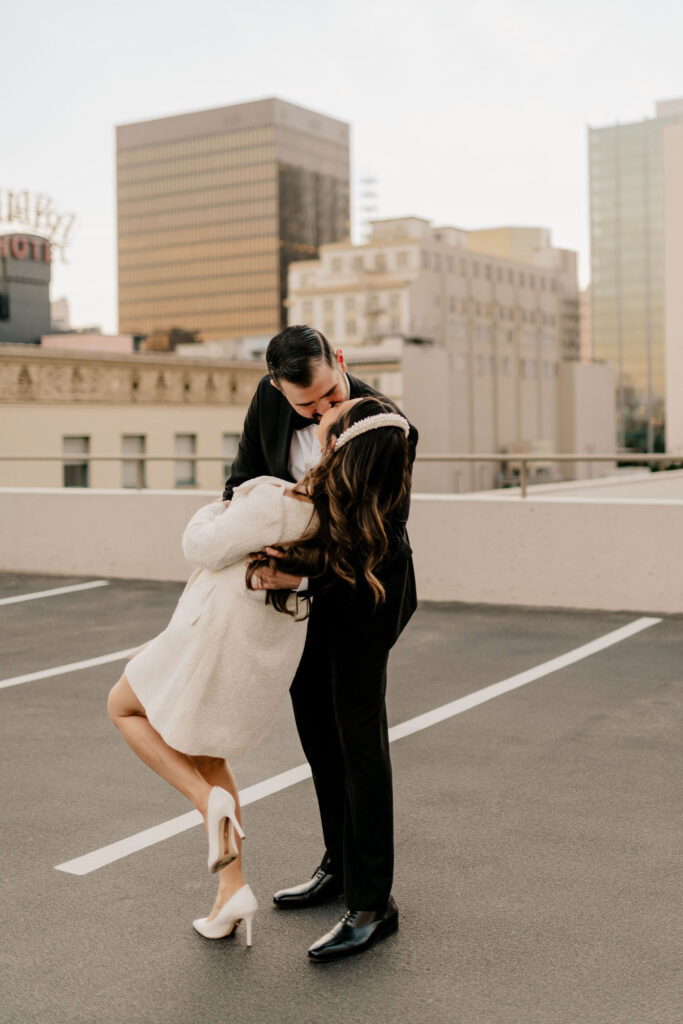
(217, 536)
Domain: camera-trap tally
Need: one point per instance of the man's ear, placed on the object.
(339, 356)
(275, 385)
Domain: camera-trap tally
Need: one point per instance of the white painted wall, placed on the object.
(557, 552)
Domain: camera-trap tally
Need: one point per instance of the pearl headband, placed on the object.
(381, 419)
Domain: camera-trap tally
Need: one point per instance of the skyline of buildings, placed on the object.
(234, 221)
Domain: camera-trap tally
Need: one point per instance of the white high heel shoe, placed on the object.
(240, 907)
(221, 808)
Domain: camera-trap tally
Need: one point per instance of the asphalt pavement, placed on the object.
(538, 847)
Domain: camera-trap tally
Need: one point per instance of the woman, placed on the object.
(209, 684)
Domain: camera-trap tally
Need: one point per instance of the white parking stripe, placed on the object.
(115, 851)
(62, 670)
(55, 592)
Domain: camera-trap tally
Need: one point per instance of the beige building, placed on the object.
(74, 404)
(214, 205)
(484, 339)
(585, 326)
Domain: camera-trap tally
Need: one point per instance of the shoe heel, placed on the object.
(238, 828)
(247, 921)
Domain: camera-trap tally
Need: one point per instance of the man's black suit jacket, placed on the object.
(264, 450)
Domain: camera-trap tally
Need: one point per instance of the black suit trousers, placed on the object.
(338, 697)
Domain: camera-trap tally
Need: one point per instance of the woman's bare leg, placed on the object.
(129, 717)
(218, 772)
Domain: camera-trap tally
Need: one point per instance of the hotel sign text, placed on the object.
(37, 212)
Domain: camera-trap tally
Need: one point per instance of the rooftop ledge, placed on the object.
(546, 550)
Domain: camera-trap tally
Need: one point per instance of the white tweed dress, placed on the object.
(212, 681)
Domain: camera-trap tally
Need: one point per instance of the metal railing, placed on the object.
(511, 459)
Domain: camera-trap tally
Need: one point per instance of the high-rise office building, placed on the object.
(629, 195)
(214, 205)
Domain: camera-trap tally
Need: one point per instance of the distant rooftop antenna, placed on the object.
(369, 200)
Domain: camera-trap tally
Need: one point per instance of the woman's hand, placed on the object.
(265, 578)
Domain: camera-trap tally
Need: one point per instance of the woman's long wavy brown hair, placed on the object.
(354, 492)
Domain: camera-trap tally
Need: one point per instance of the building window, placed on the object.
(511, 277)
(506, 366)
(307, 310)
(499, 274)
(463, 268)
(230, 444)
(522, 279)
(487, 271)
(329, 329)
(380, 261)
(395, 324)
(75, 469)
(542, 283)
(522, 368)
(328, 305)
(480, 364)
(532, 281)
(449, 264)
(184, 469)
(4, 307)
(336, 265)
(475, 270)
(437, 261)
(351, 328)
(350, 303)
(402, 259)
(463, 363)
(357, 263)
(394, 300)
(133, 472)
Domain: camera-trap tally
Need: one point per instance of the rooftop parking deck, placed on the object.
(537, 849)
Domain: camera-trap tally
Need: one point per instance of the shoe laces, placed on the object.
(350, 917)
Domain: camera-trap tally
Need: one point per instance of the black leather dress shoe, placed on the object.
(356, 932)
(321, 888)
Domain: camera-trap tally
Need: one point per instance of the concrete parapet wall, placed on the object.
(602, 553)
(609, 554)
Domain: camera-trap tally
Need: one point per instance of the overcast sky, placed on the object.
(468, 113)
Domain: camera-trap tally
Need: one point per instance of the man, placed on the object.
(339, 689)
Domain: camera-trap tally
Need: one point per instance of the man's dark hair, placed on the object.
(292, 354)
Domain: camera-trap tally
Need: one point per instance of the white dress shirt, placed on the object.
(305, 451)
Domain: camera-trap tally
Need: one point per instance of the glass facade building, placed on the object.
(627, 270)
(214, 205)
